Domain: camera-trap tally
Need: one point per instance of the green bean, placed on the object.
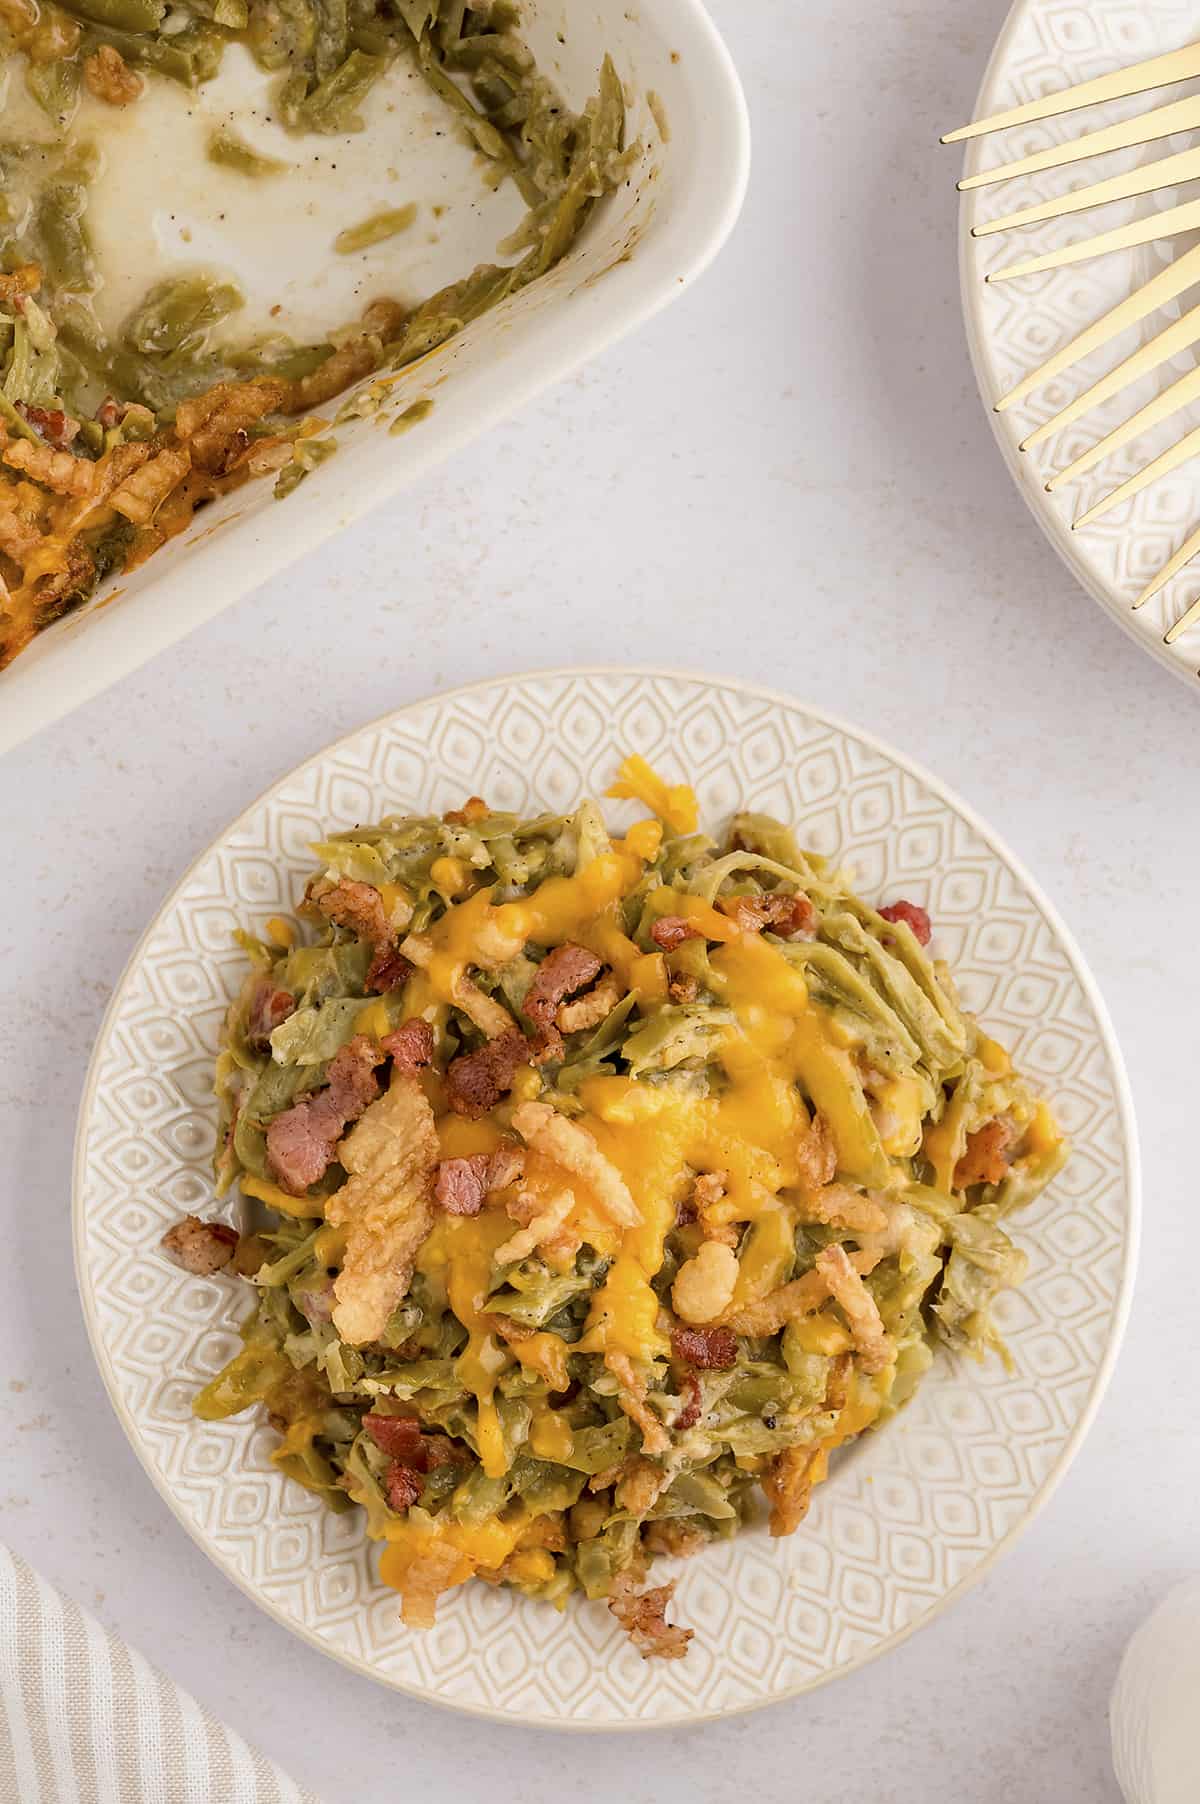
(387, 224)
(124, 15)
(227, 149)
(176, 314)
(306, 455)
(190, 57)
(333, 37)
(412, 416)
(64, 238)
(55, 87)
(15, 421)
(330, 106)
(281, 31)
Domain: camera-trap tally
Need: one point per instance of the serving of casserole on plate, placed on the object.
(603, 1175)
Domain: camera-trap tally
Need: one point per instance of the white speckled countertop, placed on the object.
(817, 504)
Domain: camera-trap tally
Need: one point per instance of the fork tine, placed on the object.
(1167, 172)
(1162, 465)
(1176, 395)
(1153, 294)
(1175, 563)
(1167, 224)
(1169, 342)
(1143, 128)
(1155, 72)
(1192, 614)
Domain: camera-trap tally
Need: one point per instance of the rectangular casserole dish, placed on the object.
(640, 248)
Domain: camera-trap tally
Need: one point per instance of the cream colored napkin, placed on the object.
(85, 1720)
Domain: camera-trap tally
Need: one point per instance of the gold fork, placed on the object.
(1169, 171)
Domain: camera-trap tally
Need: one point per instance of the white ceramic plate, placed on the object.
(913, 1514)
(1012, 327)
(639, 250)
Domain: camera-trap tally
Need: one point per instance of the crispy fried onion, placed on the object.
(856, 1303)
(840, 1207)
(58, 471)
(387, 1206)
(543, 1230)
(643, 1617)
(573, 1148)
(816, 1155)
(591, 1009)
(631, 1395)
(488, 1016)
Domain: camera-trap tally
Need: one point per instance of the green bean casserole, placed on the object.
(598, 1185)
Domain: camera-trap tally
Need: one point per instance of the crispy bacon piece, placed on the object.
(913, 914)
(388, 970)
(55, 426)
(27, 279)
(402, 1486)
(679, 1539)
(791, 917)
(200, 1247)
(708, 1349)
(476, 1081)
(269, 1009)
(473, 809)
(562, 973)
(401, 1437)
(109, 78)
(683, 988)
(301, 1141)
(708, 1189)
(788, 1486)
(987, 1157)
(358, 907)
(411, 1046)
(440, 1450)
(643, 1617)
(689, 1415)
(315, 1302)
(461, 1184)
(670, 932)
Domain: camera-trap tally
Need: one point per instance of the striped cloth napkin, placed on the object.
(85, 1720)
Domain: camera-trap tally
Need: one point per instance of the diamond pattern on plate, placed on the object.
(1013, 326)
(908, 1515)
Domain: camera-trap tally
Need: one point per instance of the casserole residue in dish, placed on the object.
(123, 407)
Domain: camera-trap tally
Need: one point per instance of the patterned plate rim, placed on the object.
(1130, 1159)
(1055, 527)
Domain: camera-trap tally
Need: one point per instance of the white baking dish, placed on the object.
(639, 249)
